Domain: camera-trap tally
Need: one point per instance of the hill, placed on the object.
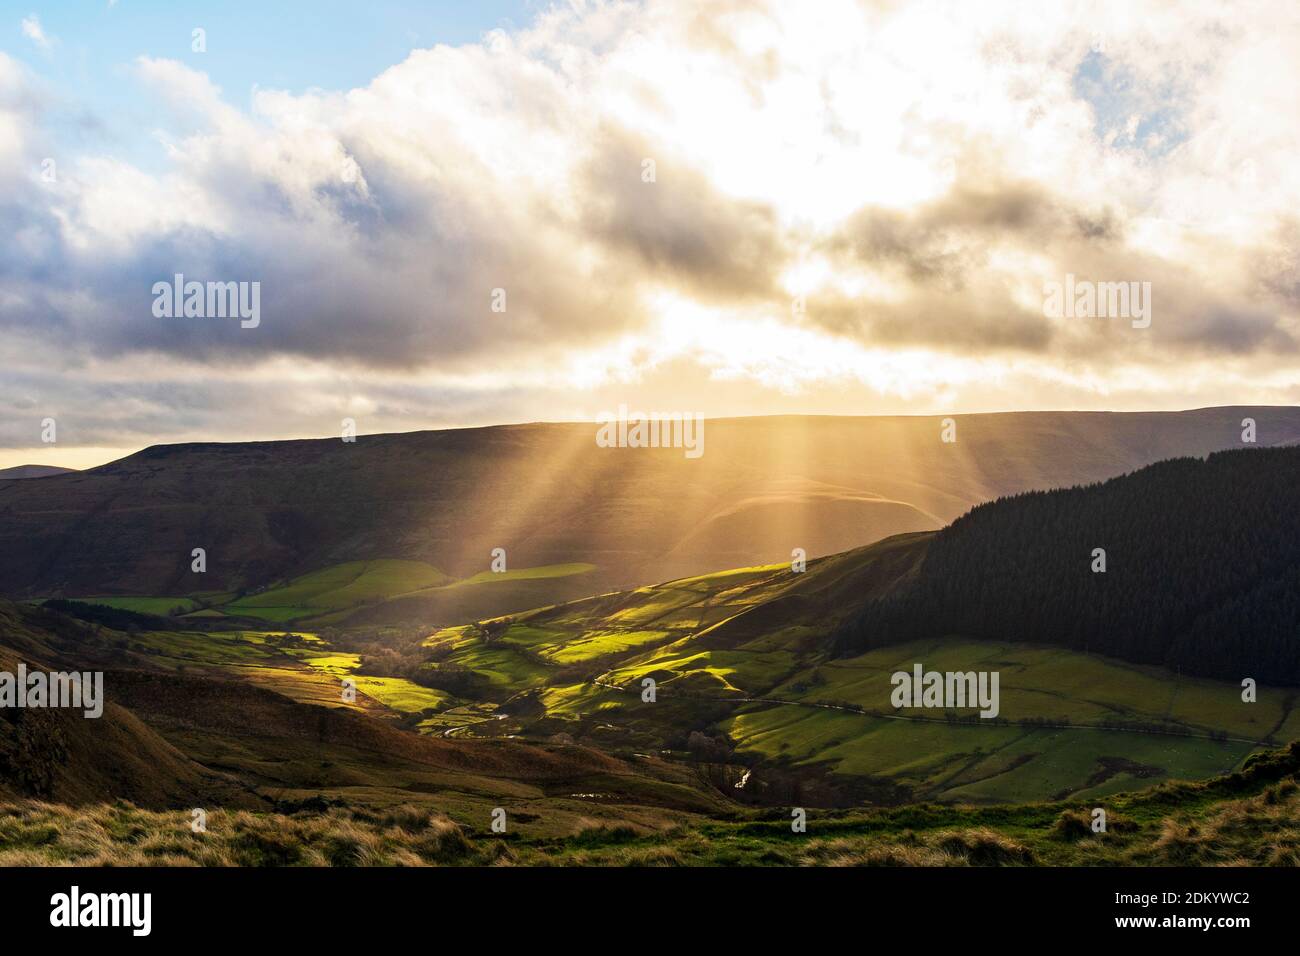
(748, 683)
(230, 722)
(268, 513)
(59, 755)
(1106, 679)
(1250, 817)
(771, 688)
(747, 696)
(1202, 570)
(33, 471)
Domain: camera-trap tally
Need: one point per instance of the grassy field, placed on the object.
(1248, 818)
(301, 666)
(527, 574)
(336, 588)
(1127, 724)
(726, 662)
(396, 693)
(330, 595)
(176, 649)
(147, 605)
(741, 657)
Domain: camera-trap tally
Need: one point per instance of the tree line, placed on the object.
(1201, 571)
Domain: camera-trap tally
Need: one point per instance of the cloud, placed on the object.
(886, 188)
(680, 229)
(33, 30)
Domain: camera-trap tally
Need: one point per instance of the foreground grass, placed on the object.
(43, 834)
(1248, 818)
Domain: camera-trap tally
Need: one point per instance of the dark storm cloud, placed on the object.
(955, 298)
(679, 228)
(989, 319)
(939, 243)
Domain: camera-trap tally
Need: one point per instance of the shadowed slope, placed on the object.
(266, 511)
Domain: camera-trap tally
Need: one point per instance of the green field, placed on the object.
(741, 657)
(302, 667)
(1069, 723)
(395, 693)
(329, 595)
(527, 574)
(336, 588)
(146, 605)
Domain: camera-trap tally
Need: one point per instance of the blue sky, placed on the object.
(97, 102)
(1145, 116)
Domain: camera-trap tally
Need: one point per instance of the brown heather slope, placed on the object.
(548, 494)
(59, 754)
(233, 709)
(179, 740)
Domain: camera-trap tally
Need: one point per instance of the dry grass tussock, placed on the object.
(44, 834)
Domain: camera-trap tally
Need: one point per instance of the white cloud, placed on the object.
(33, 30)
(915, 171)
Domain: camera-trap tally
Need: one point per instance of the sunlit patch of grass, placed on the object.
(592, 644)
(403, 695)
(397, 693)
(528, 574)
(338, 587)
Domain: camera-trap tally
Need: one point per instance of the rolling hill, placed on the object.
(748, 680)
(788, 674)
(783, 677)
(33, 471)
(235, 722)
(268, 513)
(59, 755)
(1202, 570)
(771, 688)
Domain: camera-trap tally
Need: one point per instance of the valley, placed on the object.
(744, 683)
(680, 721)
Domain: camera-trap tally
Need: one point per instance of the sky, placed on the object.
(473, 213)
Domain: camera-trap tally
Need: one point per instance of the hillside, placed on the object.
(33, 471)
(1250, 817)
(269, 512)
(1202, 571)
(235, 722)
(60, 755)
(747, 683)
(751, 713)
(783, 678)
(772, 688)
